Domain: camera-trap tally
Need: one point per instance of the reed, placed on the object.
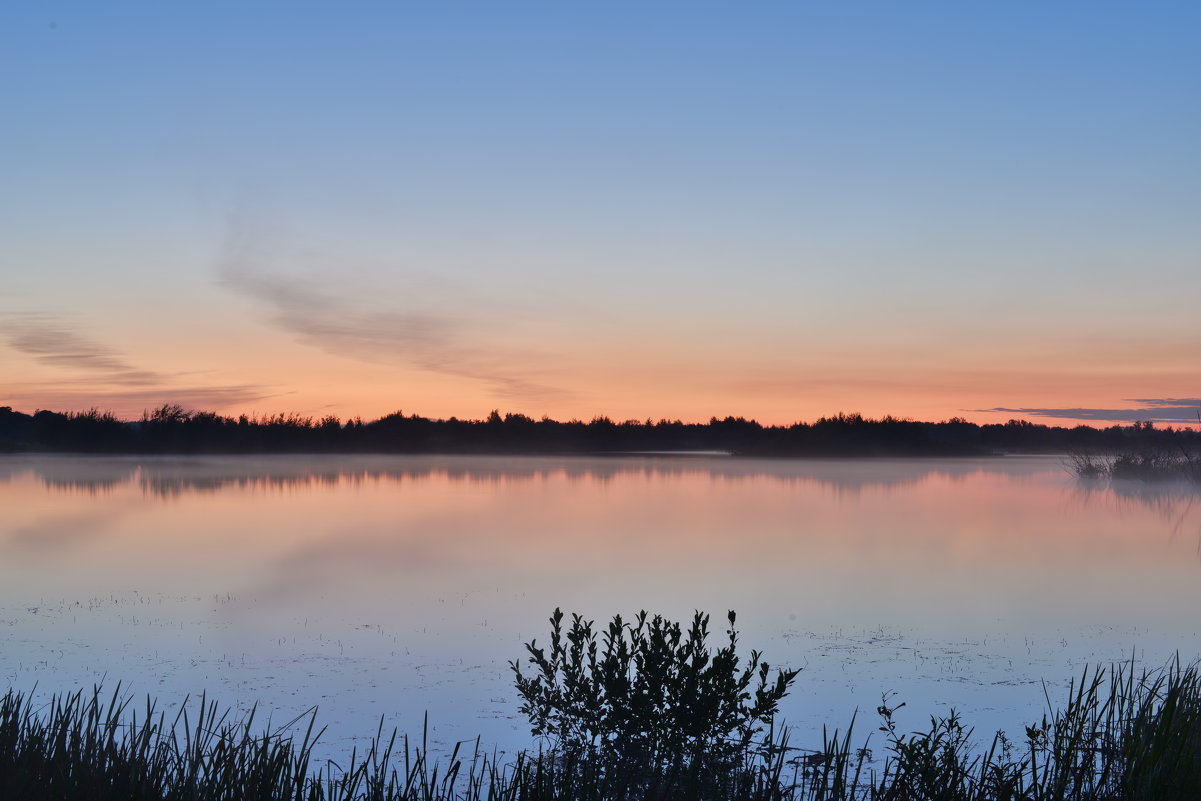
(1150, 465)
(1120, 734)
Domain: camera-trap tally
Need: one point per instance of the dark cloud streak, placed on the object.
(53, 345)
(1159, 410)
(132, 402)
(100, 377)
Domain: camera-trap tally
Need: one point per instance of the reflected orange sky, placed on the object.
(672, 531)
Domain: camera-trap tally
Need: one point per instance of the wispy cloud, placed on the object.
(405, 331)
(49, 342)
(1159, 410)
(97, 376)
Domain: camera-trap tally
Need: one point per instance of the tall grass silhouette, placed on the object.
(1119, 734)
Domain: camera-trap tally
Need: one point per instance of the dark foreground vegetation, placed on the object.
(172, 429)
(640, 711)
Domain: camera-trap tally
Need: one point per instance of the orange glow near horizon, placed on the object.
(245, 367)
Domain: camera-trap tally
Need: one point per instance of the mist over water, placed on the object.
(394, 586)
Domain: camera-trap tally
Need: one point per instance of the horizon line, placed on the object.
(179, 412)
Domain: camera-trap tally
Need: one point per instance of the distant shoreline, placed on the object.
(171, 429)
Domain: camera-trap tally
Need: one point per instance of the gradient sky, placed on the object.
(776, 210)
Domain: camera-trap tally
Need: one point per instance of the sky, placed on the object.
(640, 210)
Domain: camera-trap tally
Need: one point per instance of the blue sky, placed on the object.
(779, 211)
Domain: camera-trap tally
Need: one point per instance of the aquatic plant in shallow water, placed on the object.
(1145, 465)
(649, 700)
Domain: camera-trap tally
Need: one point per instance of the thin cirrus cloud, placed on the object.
(1159, 410)
(96, 376)
(51, 344)
(408, 336)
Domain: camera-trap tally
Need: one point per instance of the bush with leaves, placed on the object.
(649, 693)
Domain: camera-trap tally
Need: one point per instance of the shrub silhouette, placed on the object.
(649, 696)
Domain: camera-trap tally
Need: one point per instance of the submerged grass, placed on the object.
(1119, 734)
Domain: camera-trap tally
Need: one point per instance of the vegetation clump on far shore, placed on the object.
(645, 712)
(1147, 465)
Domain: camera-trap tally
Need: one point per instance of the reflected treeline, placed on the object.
(169, 477)
(172, 429)
(1177, 504)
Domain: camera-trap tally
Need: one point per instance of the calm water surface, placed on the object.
(391, 586)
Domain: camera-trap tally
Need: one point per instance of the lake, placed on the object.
(389, 586)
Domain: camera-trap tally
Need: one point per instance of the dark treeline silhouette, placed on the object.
(172, 429)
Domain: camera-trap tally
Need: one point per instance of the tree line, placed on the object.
(172, 429)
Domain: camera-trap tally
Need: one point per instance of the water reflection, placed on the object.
(172, 476)
(401, 585)
(1175, 504)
